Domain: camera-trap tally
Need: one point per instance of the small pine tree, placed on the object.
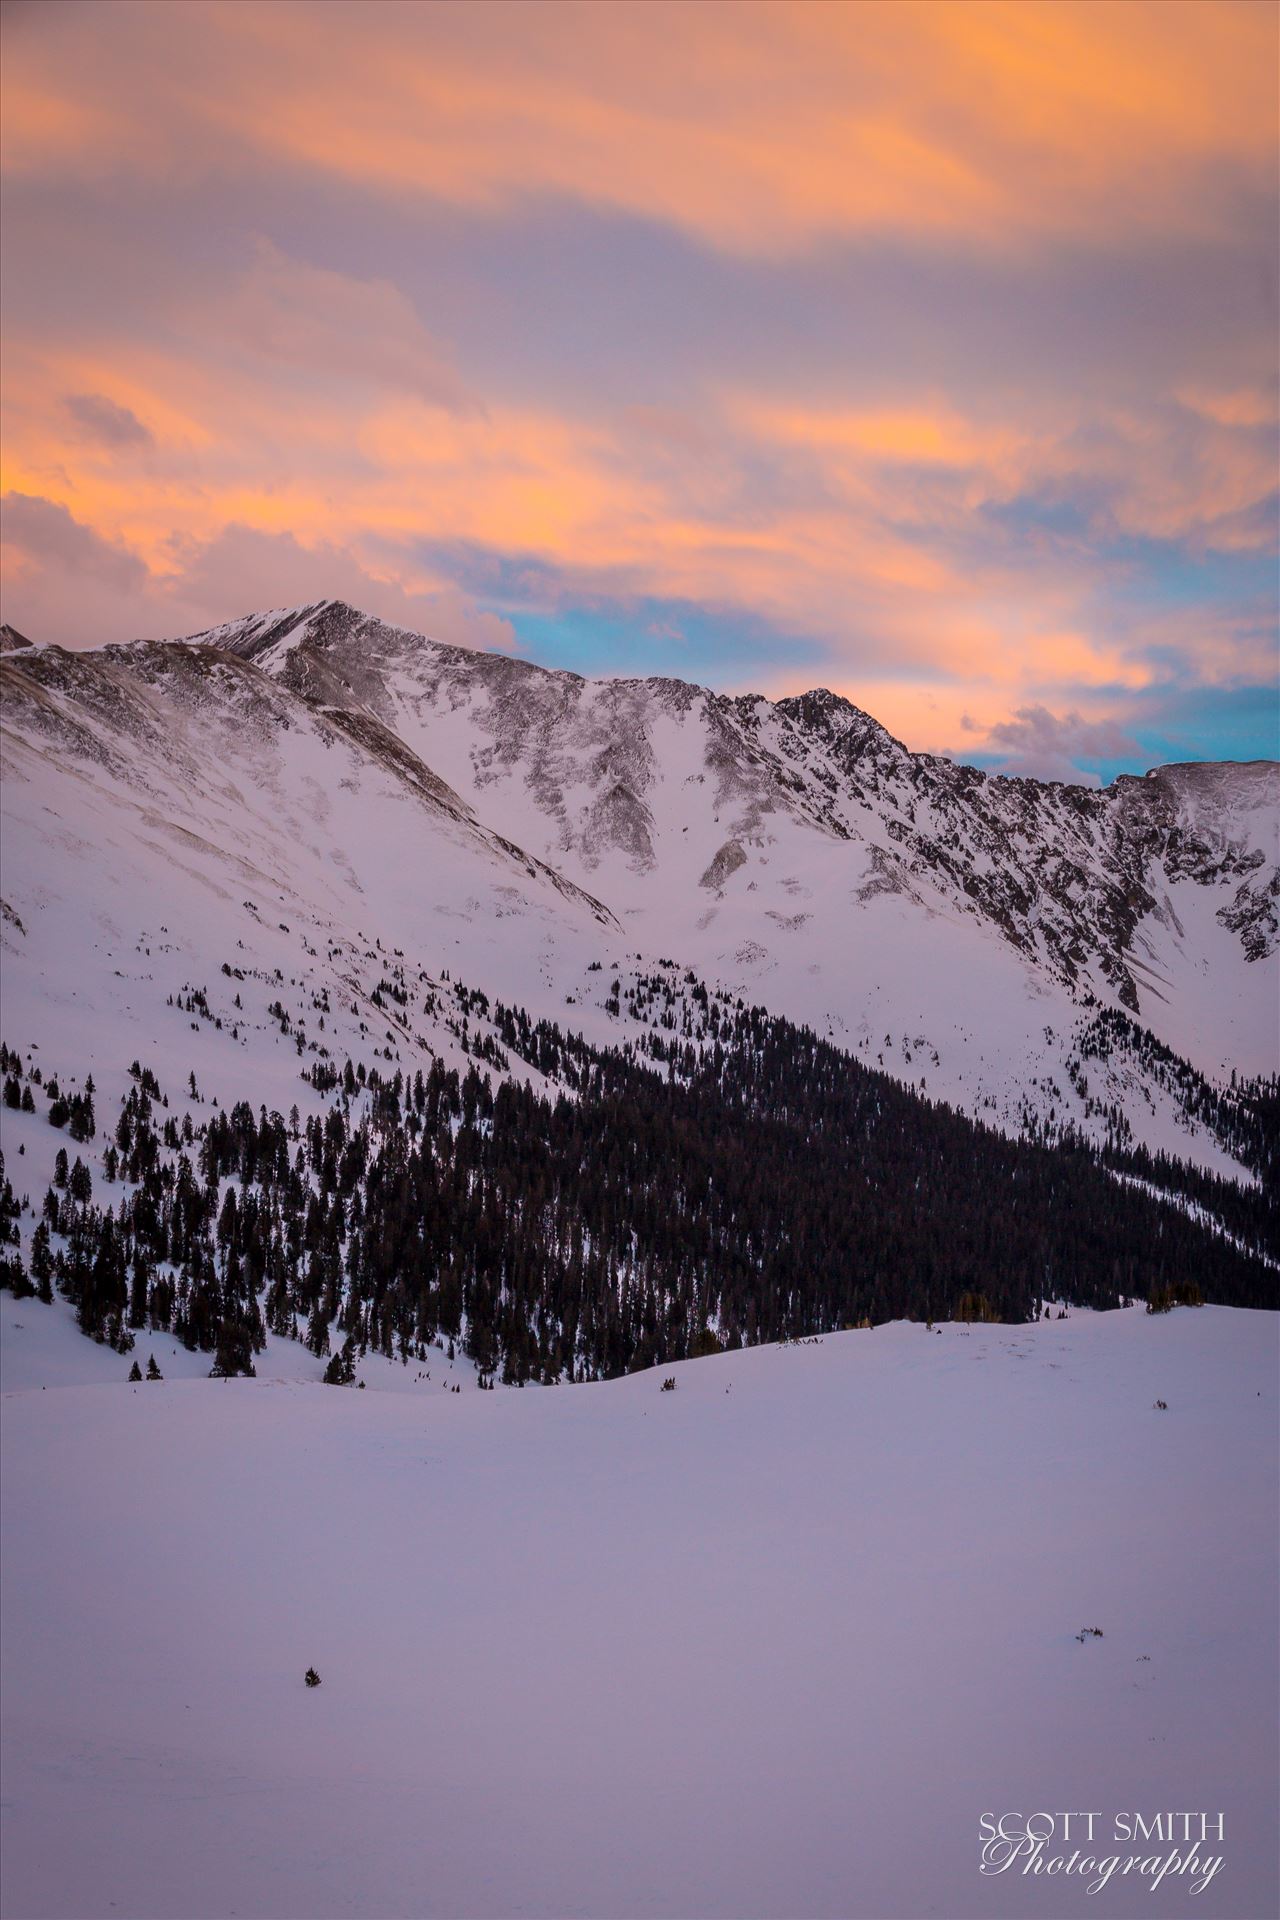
(341, 1370)
(153, 1371)
(234, 1352)
(318, 1331)
(135, 1372)
(42, 1262)
(13, 1275)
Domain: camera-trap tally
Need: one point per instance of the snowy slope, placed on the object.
(767, 1645)
(178, 824)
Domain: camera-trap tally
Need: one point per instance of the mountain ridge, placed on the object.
(962, 930)
(255, 634)
(968, 832)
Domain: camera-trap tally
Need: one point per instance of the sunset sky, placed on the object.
(927, 352)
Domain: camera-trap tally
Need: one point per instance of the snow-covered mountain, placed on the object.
(314, 825)
(611, 777)
(798, 853)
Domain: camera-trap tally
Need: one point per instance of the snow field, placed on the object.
(770, 1644)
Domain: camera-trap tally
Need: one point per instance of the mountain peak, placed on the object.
(833, 716)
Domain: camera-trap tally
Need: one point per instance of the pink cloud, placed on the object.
(68, 586)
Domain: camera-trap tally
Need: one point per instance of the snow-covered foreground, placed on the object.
(770, 1644)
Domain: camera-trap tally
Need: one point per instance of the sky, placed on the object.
(925, 352)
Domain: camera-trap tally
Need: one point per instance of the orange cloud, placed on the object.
(44, 123)
(922, 435)
(760, 128)
(1240, 407)
(849, 549)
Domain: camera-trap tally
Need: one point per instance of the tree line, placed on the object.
(662, 1200)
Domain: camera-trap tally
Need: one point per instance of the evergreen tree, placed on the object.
(341, 1370)
(42, 1262)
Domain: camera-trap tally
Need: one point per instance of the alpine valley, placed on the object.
(591, 1024)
